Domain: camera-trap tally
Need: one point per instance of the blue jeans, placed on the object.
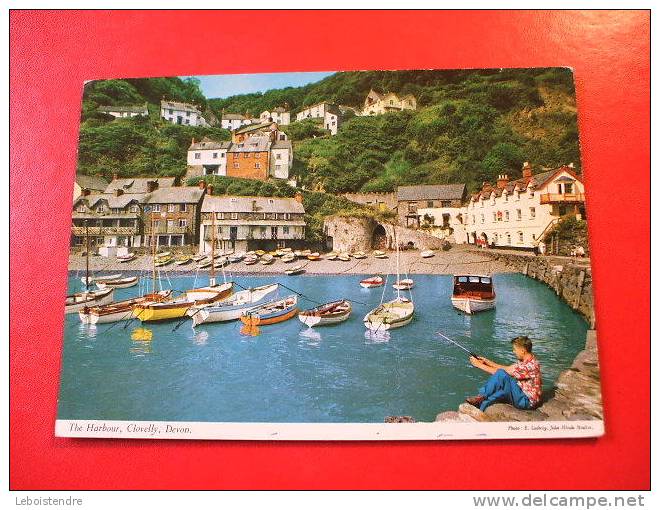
(502, 387)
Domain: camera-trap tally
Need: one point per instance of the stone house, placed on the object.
(232, 121)
(440, 205)
(125, 111)
(250, 223)
(172, 215)
(378, 104)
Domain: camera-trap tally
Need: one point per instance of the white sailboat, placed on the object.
(391, 314)
(232, 308)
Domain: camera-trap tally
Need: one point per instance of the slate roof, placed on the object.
(130, 109)
(138, 184)
(233, 116)
(113, 202)
(91, 182)
(252, 144)
(431, 192)
(175, 195)
(282, 144)
(231, 204)
(253, 127)
(181, 107)
(208, 144)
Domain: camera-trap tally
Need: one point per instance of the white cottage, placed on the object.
(207, 157)
(182, 113)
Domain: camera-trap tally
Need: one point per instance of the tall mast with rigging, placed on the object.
(153, 252)
(87, 256)
(212, 278)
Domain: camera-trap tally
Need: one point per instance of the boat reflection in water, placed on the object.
(376, 337)
(141, 341)
(200, 337)
(310, 337)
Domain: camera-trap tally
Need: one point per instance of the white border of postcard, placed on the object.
(328, 431)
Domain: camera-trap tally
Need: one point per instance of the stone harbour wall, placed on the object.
(576, 396)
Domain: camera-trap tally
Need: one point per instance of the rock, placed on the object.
(399, 419)
(506, 412)
(472, 411)
(555, 408)
(454, 417)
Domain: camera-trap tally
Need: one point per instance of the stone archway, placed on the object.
(379, 238)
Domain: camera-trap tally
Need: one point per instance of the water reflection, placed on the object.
(200, 337)
(311, 337)
(376, 337)
(249, 330)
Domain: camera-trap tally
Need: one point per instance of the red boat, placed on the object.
(374, 281)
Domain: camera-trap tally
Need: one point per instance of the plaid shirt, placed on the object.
(528, 376)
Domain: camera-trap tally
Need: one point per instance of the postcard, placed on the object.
(372, 255)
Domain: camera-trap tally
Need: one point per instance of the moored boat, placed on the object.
(314, 256)
(379, 254)
(164, 260)
(95, 279)
(359, 255)
(297, 269)
(251, 260)
(288, 257)
(331, 256)
(232, 308)
(427, 254)
(267, 259)
(78, 301)
(118, 311)
(272, 312)
(236, 257)
(473, 293)
(390, 315)
(182, 260)
(126, 258)
(344, 257)
(328, 313)
(405, 284)
(120, 283)
(374, 281)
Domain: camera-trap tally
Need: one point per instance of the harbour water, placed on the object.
(289, 373)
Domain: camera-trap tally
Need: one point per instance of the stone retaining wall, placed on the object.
(571, 281)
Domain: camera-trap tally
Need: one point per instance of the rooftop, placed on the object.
(431, 192)
(233, 116)
(139, 184)
(208, 144)
(227, 203)
(91, 182)
(130, 109)
(252, 144)
(175, 195)
(175, 105)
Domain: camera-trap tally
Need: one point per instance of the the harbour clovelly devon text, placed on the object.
(371, 247)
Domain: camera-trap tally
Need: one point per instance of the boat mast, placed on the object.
(153, 252)
(398, 277)
(87, 256)
(212, 278)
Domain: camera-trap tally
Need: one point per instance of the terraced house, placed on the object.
(251, 223)
(182, 113)
(113, 218)
(171, 215)
(125, 111)
(519, 213)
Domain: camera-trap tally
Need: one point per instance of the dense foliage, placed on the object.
(469, 127)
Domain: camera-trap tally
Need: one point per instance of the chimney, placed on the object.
(502, 180)
(115, 176)
(299, 198)
(202, 184)
(119, 192)
(152, 186)
(209, 189)
(526, 170)
(193, 141)
(86, 191)
(254, 205)
(571, 165)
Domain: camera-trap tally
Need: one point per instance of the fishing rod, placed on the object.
(458, 345)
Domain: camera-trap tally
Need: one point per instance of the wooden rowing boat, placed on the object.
(95, 279)
(405, 284)
(118, 311)
(78, 301)
(126, 258)
(329, 313)
(120, 283)
(392, 314)
(299, 269)
(232, 308)
(272, 312)
(374, 281)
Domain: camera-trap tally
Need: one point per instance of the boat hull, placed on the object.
(153, 312)
(256, 320)
(95, 298)
(472, 305)
(122, 283)
(375, 321)
(230, 312)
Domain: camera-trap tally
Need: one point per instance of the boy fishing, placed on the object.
(519, 384)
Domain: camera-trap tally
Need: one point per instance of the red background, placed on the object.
(53, 52)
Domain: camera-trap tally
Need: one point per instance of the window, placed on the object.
(171, 207)
(278, 167)
(220, 216)
(287, 216)
(234, 216)
(473, 219)
(532, 212)
(285, 230)
(482, 218)
(508, 238)
(222, 155)
(133, 208)
(187, 114)
(568, 187)
(183, 207)
(170, 111)
(519, 214)
(116, 210)
(506, 197)
(156, 224)
(257, 155)
(187, 121)
(494, 216)
(506, 215)
(446, 203)
(429, 203)
(183, 222)
(257, 165)
(215, 155)
(81, 208)
(412, 206)
(170, 225)
(518, 195)
(236, 155)
(521, 238)
(198, 155)
(156, 208)
(278, 156)
(236, 165)
(100, 208)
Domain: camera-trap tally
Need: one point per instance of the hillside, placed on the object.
(469, 127)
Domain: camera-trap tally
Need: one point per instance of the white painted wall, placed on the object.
(209, 157)
(281, 161)
(188, 118)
